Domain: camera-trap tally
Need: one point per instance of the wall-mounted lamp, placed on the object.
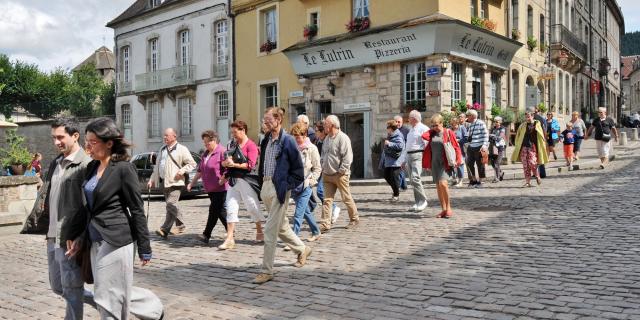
(302, 80)
(368, 70)
(332, 88)
(616, 74)
(444, 64)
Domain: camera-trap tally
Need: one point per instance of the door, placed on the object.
(352, 124)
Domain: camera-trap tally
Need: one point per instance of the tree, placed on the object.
(84, 89)
(108, 99)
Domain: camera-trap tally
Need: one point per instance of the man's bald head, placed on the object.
(170, 136)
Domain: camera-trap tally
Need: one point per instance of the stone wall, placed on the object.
(17, 196)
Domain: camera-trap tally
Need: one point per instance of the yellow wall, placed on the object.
(253, 67)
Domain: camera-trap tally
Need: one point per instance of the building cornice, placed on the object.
(241, 7)
(617, 13)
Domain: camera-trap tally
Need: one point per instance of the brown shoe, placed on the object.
(302, 258)
(178, 229)
(313, 238)
(161, 233)
(227, 245)
(353, 224)
(262, 278)
(324, 228)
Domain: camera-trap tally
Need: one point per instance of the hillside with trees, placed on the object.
(631, 43)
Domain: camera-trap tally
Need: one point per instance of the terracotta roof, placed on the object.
(138, 8)
(103, 58)
(627, 65)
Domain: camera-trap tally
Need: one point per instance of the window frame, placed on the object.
(126, 63)
(361, 8)
(154, 54)
(414, 89)
(184, 43)
(456, 79)
(222, 104)
(186, 128)
(221, 42)
(153, 119)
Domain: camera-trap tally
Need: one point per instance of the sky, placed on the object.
(62, 33)
(56, 33)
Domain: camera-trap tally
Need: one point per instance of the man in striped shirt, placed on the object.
(478, 142)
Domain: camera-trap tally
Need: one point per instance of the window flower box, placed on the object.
(532, 43)
(358, 24)
(415, 105)
(268, 46)
(515, 34)
(310, 31)
(484, 23)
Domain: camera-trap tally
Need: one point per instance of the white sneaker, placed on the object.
(421, 207)
(414, 207)
(335, 214)
(394, 199)
(291, 201)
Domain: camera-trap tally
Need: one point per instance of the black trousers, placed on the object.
(217, 211)
(474, 158)
(392, 176)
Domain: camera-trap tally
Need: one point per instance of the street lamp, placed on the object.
(444, 64)
(331, 87)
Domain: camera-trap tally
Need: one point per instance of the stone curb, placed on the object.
(590, 165)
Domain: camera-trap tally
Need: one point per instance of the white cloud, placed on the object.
(55, 34)
(631, 13)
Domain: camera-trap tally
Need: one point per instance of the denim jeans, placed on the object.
(303, 210)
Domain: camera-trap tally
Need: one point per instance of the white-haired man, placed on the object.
(605, 129)
(336, 159)
(478, 141)
(413, 148)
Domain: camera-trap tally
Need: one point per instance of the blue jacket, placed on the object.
(553, 129)
(289, 173)
(395, 147)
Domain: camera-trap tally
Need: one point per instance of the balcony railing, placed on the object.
(220, 70)
(562, 35)
(167, 78)
(124, 86)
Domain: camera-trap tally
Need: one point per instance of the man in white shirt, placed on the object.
(414, 147)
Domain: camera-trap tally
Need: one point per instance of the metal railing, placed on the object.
(220, 70)
(166, 78)
(562, 35)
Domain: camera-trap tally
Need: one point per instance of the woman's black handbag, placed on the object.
(83, 259)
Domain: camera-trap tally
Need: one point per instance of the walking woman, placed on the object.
(461, 136)
(435, 159)
(581, 129)
(312, 171)
(497, 144)
(392, 158)
(115, 218)
(241, 158)
(210, 170)
(530, 148)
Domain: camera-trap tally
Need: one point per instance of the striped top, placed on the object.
(478, 135)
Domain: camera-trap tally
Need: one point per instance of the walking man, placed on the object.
(173, 162)
(336, 159)
(605, 129)
(405, 132)
(280, 171)
(414, 147)
(478, 140)
(63, 202)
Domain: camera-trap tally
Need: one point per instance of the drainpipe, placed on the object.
(233, 57)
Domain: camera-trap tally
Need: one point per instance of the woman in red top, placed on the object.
(434, 158)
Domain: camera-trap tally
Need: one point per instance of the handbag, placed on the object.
(606, 137)
(450, 151)
(485, 156)
(83, 259)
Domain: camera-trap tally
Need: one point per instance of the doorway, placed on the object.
(352, 125)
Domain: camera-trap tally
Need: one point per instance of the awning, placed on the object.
(411, 39)
(6, 124)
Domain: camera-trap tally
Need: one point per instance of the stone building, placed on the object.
(105, 63)
(173, 61)
(388, 60)
(630, 89)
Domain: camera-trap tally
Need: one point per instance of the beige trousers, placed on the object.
(277, 226)
(332, 183)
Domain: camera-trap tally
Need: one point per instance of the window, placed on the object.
(472, 6)
(484, 10)
(495, 89)
(541, 29)
(314, 19)
(222, 56)
(456, 82)
(126, 121)
(153, 55)
(529, 21)
(185, 116)
(476, 86)
(514, 14)
(222, 99)
(414, 82)
(360, 8)
(184, 47)
(154, 3)
(515, 88)
(153, 119)
(125, 63)
(270, 27)
(268, 96)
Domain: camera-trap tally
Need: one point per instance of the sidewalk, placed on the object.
(513, 171)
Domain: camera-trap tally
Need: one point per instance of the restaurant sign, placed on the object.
(447, 37)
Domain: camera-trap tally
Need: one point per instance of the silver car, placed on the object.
(145, 162)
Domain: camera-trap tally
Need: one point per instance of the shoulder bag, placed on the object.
(186, 174)
(449, 150)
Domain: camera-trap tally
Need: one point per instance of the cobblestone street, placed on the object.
(566, 250)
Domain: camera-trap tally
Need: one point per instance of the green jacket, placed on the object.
(541, 144)
(70, 200)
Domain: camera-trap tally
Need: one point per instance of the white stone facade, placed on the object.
(167, 59)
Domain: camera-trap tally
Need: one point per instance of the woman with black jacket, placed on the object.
(114, 219)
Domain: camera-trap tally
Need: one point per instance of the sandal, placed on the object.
(527, 185)
(442, 214)
(448, 214)
(538, 180)
(259, 237)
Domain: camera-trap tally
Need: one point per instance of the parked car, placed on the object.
(145, 162)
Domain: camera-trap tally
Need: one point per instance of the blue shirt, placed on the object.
(89, 189)
(568, 136)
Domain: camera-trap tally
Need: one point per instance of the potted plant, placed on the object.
(477, 21)
(543, 47)
(268, 46)
(532, 43)
(446, 118)
(542, 108)
(515, 34)
(490, 25)
(415, 105)
(460, 106)
(15, 155)
(310, 31)
(358, 24)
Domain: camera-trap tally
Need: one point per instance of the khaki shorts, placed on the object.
(603, 148)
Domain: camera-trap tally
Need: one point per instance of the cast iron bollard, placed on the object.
(623, 139)
(634, 134)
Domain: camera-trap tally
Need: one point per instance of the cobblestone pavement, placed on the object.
(566, 250)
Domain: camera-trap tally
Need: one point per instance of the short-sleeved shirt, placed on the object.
(602, 126)
(568, 136)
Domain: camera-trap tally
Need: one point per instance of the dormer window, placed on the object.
(154, 3)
